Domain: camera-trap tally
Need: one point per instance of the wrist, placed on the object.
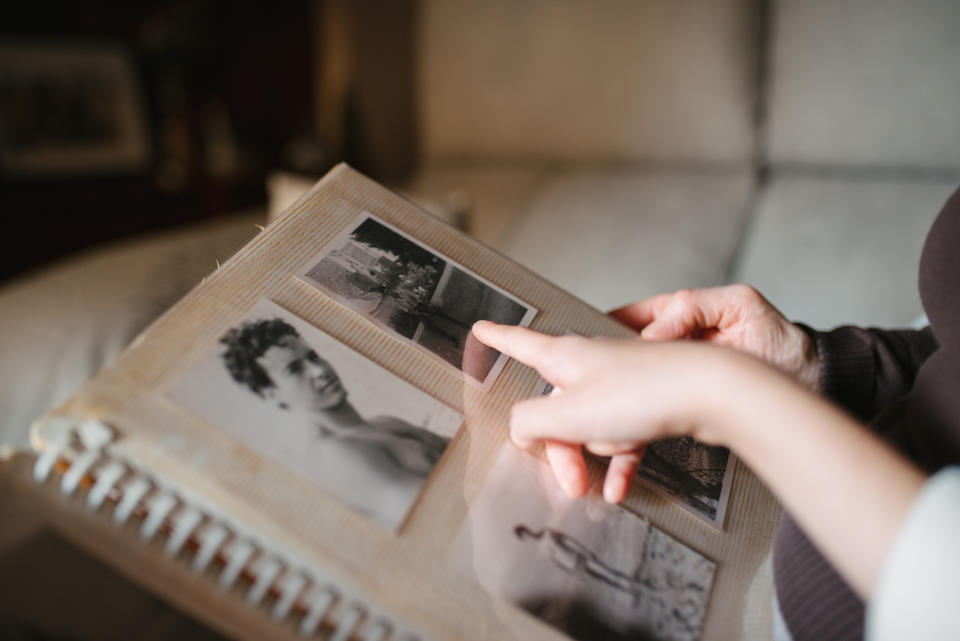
(745, 399)
(731, 380)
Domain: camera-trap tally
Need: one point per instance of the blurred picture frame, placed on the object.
(70, 109)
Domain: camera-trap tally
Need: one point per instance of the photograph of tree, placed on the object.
(416, 293)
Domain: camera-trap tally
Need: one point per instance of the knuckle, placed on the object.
(684, 298)
(745, 291)
(572, 341)
(658, 301)
(567, 348)
(517, 417)
(523, 416)
(606, 448)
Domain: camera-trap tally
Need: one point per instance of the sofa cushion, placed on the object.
(866, 82)
(59, 326)
(615, 236)
(491, 195)
(830, 251)
(577, 80)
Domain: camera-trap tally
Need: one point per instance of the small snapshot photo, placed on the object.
(414, 292)
(296, 395)
(695, 475)
(594, 571)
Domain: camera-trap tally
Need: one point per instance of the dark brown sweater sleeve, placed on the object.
(863, 370)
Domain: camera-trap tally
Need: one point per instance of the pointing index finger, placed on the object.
(525, 345)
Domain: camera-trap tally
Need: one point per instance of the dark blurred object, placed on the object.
(367, 85)
(45, 598)
(69, 109)
(225, 87)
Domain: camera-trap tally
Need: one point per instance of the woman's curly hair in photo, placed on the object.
(246, 344)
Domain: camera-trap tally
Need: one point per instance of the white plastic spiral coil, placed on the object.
(82, 451)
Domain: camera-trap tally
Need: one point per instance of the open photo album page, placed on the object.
(593, 570)
(416, 293)
(292, 393)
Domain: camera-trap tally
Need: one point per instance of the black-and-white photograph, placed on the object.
(416, 293)
(697, 476)
(694, 475)
(294, 394)
(593, 570)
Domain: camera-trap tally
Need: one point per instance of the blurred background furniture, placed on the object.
(619, 148)
(626, 148)
(207, 96)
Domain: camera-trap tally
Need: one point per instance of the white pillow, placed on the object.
(59, 326)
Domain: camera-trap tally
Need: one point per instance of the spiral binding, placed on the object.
(314, 606)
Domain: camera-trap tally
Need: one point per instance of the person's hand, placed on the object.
(848, 489)
(615, 396)
(735, 316)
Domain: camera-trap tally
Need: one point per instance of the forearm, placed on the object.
(847, 488)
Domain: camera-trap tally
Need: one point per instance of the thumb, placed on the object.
(666, 329)
(686, 313)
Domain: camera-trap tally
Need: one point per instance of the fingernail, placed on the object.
(522, 443)
(572, 488)
(613, 490)
(480, 324)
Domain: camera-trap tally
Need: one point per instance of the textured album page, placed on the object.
(290, 386)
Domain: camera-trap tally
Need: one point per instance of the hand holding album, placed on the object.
(736, 316)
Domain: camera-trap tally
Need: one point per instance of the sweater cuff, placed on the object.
(919, 583)
(847, 365)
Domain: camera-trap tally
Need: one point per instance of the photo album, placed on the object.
(313, 433)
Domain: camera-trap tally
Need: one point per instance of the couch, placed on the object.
(629, 148)
(621, 149)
